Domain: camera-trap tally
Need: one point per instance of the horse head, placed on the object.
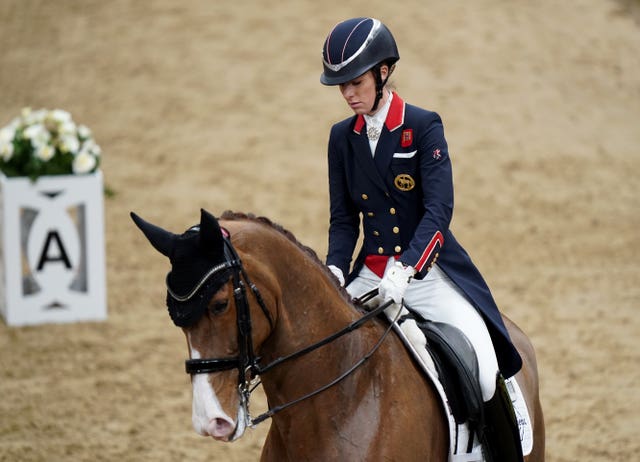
(204, 292)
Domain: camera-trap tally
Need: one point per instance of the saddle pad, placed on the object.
(522, 415)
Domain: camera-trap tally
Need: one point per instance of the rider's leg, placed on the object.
(363, 283)
(437, 298)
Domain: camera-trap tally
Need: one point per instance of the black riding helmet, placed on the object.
(356, 46)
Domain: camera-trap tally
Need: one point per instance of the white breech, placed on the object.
(437, 298)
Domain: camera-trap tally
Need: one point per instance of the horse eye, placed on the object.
(218, 307)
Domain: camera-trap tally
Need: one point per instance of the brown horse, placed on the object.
(339, 388)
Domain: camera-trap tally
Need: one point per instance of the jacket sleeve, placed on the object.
(437, 197)
(344, 223)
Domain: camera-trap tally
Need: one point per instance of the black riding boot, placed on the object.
(500, 435)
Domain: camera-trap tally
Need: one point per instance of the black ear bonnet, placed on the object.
(202, 261)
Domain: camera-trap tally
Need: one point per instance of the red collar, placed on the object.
(395, 117)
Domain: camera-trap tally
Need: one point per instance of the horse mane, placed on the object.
(235, 216)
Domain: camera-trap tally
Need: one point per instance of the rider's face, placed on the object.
(360, 93)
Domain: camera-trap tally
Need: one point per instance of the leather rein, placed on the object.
(247, 363)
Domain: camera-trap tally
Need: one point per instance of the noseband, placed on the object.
(246, 362)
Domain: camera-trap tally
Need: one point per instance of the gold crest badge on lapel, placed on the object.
(404, 182)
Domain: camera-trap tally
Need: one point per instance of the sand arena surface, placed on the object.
(218, 105)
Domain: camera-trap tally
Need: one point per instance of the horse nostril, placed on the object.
(221, 428)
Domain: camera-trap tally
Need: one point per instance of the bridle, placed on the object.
(246, 362)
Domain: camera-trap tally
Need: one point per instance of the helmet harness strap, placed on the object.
(380, 84)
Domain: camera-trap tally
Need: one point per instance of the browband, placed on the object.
(216, 269)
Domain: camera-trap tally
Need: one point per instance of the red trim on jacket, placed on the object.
(359, 124)
(430, 253)
(395, 116)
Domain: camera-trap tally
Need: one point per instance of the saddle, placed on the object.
(457, 367)
(455, 362)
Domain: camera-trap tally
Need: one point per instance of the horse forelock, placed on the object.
(239, 216)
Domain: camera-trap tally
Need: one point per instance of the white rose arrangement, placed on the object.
(47, 142)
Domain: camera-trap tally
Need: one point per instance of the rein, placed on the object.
(351, 327)
(247, 362)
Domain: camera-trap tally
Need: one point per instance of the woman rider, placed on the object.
(390, 165)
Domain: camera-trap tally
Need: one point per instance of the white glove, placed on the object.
(337, 272)
(395, 282)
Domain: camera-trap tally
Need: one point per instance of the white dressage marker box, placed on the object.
(52, 250)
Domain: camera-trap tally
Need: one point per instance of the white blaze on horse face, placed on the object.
(208, 417)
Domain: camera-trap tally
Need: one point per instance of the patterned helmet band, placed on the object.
(370, 37)
(216, 269)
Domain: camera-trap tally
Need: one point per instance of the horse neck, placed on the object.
(305, 319)
(310, 307)
(316, 316)
(307, 299)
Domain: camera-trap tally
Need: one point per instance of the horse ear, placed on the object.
(210, 234)
(163, 241)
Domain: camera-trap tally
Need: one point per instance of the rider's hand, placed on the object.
(395, 282)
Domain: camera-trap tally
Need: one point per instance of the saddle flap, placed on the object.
(458, 369)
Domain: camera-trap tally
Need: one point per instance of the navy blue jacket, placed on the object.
(405, 198)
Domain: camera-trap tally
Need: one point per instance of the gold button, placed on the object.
(365, 197)
(396, 230)
(376, 233)
(380, 250)
(392, 211)
(397, 249)
(370, 214)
